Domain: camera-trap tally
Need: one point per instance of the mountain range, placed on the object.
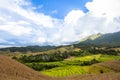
(104, 40)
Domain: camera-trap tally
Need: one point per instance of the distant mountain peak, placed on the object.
(109, 39)
(92, 37)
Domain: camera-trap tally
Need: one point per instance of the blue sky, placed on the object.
(59, 8)
(55, 22)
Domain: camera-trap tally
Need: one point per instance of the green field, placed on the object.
(74, 66)
(71, 67)
(75, 70)
(64, 71)
(109, 58)
(87, 58)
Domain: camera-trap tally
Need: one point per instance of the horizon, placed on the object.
(45, 22)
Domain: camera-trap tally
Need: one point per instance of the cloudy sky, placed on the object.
(55, 22)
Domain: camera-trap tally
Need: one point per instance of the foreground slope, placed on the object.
(12, 70)
(104, 76)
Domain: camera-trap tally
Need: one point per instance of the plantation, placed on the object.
(67, 61)
(64, 71)
(109, 58)
(87, 58)
(74, 66)
(76, 70)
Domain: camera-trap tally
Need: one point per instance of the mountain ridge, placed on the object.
(109, 39)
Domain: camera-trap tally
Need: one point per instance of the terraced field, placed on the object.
(76, 70)
(105, 58)
(99, 57)
(65, 71)
(87, 58)
(75, 66)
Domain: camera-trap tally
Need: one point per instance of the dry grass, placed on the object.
(115, 65)
(12, 70)
(105, 76)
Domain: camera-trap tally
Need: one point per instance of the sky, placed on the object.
(55, 22)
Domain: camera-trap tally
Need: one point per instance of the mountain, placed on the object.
(92, 37)
(110, 39)
(28, 48)
(12, 70)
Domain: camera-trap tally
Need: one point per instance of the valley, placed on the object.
(81, 61)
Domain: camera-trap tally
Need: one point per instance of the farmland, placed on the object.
(74, 66)
(71, 61)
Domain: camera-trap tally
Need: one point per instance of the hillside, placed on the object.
(104, 76)
(110, 39)
(92, 37)
(12, 70)
(28, 48)
(115, 65)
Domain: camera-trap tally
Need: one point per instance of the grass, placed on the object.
(72, 66)
(13, 70)
(96, 69)
(99, 57)
(109, 58)
(64, 71)
(87, 58)
(76, 70)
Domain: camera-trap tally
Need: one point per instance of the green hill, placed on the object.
(28, 48)
(110, 39)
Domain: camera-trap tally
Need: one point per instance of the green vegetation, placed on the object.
(107, 40)
(28, 48)
(109, 58)
(87, 58)
(71, 60)
(64, 71)
(76, 70)
(74, 66)
(44, 66)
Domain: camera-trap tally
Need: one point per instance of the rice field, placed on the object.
(87, 58)
(109, 58)
(73, 66)
(65, 71)
(76, 70)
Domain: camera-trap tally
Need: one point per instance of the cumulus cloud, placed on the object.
(21, 25)
(103, 17)
(107, 8)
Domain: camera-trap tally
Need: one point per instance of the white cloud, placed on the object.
(41, 40)
(107, 8)
(73, 16)
(26, 26)
(16, 29)
(103, 17)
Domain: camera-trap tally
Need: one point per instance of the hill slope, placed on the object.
(110, 39)
(115, 65)
(12, 70)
